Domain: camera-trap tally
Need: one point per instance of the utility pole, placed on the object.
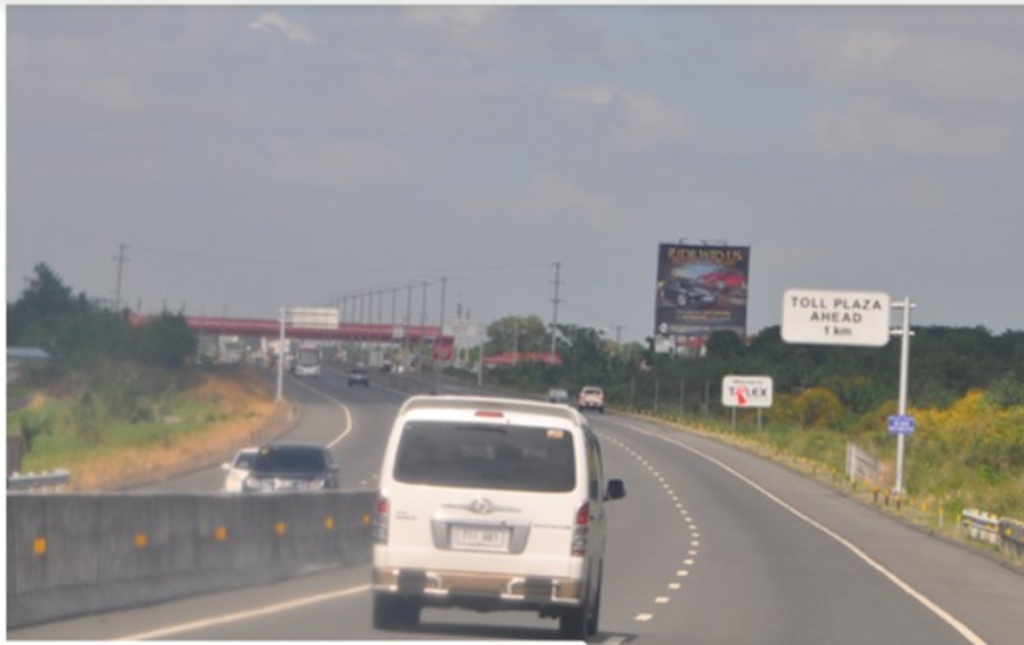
(440, 336)
(555, 301)
(423, 324)
(618, 335)
(120, 267)
(408, 323)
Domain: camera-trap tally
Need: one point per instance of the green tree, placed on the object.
(165, 341)
(517, 333)
(35, 318)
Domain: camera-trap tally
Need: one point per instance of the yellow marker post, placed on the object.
(220, 533)
(141, 540)
(280, 528)
(39, 546)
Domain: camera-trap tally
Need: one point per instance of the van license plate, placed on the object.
(479, 538)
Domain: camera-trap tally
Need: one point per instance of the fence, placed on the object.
(56, 480)
(1003, 532)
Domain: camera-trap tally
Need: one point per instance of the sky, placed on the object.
(257, 157)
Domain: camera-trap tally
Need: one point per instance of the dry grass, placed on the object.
(247, 416)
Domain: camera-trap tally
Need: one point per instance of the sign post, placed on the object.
(853, 318)
(313, 317)
(280, 359)
(904, 333)
(747, 392)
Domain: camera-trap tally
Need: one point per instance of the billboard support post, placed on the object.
(904, 333)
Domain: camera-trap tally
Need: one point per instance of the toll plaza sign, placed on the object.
(747, 391)
(835, 317)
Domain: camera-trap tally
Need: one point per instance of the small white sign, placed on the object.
(314, 317)
(461, 329)
(747, 391)
(835, 317)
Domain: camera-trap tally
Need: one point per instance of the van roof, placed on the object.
(470, 403)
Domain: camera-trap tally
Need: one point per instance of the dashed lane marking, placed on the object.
(925, 601)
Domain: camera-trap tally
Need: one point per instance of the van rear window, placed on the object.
(473, 455)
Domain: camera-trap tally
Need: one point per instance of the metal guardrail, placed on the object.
(38, 481)
(1003, 532)
(1011, 535)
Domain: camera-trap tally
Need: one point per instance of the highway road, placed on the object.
(711, 546)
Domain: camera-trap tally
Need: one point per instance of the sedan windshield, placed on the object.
(290, 460)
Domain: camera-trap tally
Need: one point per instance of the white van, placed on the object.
(307, 362)
(491, 504)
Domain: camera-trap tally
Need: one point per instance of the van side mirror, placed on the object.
(616, 489)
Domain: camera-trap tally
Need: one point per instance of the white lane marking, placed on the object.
(675, 586)
(344, 408)
(643, 618)
(928, 603)
(682, 573)
(244, 615)
(661, 600)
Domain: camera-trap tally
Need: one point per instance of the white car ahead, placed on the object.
(238, 469)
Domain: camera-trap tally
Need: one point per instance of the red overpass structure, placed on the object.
(257, 328)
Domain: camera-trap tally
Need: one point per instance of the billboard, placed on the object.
(700, 289)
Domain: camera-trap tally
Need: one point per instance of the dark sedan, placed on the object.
(289, 467)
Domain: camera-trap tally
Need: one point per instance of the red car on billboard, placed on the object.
(724, 279)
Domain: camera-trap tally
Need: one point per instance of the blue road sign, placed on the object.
(901, 424)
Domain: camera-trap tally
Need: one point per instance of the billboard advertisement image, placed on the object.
(700, 289)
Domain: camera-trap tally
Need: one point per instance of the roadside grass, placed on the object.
(112, 432)
(968, 455)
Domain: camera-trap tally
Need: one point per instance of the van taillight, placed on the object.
(580, 530)
(380, 524)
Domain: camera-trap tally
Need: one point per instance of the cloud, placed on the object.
(903, 59)
(872, 127)
(461, 20)
(643, 121)
(547, 200)
(335, 163)
(272, 21)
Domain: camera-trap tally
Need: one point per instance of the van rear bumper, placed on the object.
(461, 588)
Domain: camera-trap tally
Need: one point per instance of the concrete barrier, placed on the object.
(69, 555)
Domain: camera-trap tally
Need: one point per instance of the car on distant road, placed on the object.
(238, 469)
(359, 376)
(290, 467)
(591, 398)
(558, 395)
(307, 362)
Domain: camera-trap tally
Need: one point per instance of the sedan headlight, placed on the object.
(256, 484)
